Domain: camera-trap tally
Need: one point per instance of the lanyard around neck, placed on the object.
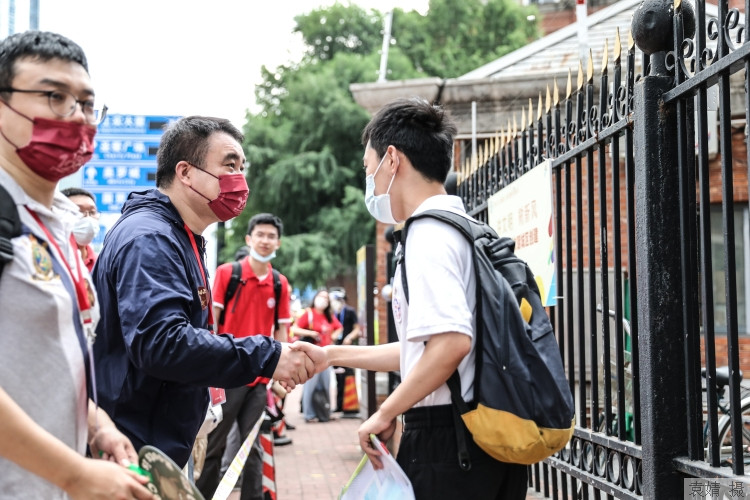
(84, 306)
(203, 275)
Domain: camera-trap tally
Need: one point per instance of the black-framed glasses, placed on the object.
(63, 104)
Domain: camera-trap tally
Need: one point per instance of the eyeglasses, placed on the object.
(63, 104)
(90, 213)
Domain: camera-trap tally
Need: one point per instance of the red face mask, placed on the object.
(233, 193)
(57, 148)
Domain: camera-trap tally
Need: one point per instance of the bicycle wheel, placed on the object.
(725, 435)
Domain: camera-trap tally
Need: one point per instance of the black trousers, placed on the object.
(244, 405)
(428, 453)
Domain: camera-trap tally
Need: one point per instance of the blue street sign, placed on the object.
(124, 158)
(135, 124)
(132, 148)
(110, 201)
(122, 174)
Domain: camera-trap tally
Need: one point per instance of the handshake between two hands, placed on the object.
(298, 362)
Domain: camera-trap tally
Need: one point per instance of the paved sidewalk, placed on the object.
(320, 459)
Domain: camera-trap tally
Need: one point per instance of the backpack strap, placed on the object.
(277, 295)
(470, 231)
(10, 227)
(234, 282)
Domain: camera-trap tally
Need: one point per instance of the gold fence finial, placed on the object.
(590, 68)
(515, 126)
(539, 108)
(523, 119)
(631, 42)
(556, 94)
(580, 75)
(677, 4)
(618, 47)
(605, 57)
(569, 88)
(549, 100)
(531, 112)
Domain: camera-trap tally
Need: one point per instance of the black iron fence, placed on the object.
(642, 204)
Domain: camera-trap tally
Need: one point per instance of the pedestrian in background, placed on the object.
(87, 227)
(350, 334)
(254, 309)
(317, 325)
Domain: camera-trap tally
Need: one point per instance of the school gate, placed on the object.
(646, 297)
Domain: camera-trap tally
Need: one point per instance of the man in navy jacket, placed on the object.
(155, 351)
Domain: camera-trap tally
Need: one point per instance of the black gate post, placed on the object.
(657, 223)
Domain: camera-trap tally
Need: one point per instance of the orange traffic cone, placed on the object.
(351, 400)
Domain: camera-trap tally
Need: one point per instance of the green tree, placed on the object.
(304, 144)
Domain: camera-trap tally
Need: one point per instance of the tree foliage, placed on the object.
(304, 143)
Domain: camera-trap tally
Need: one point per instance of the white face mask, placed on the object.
(85, 230)
(379, 206)
(255, 255)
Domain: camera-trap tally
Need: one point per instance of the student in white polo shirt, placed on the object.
(408, 155)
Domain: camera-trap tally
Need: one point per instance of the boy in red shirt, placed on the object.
(250, 311)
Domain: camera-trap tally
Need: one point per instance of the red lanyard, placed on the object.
(203, 274)
(84, 306)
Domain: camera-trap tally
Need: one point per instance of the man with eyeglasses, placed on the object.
(156, 351)
(87, 227)
(48, 308)
(254, 309)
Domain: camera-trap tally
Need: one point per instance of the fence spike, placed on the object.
(556, 95)
(580, 75)
(549, 100)
(590, 68)
(569, 88)
(677, 4)
(631, 42)
(618, 46)
(531, 112)
(523, 118)
(539, 108)
(605, 57)
(515, 126)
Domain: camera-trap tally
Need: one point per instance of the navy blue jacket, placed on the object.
(154, 356)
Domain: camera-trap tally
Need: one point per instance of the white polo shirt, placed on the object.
(42, 347)
(442, 296)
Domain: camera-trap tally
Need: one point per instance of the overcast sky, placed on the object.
(181, 57)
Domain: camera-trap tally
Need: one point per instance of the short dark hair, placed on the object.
(74, 191)
(422, 131)
(187, 140)
(241, 253)
(36, 46)
(265, 219)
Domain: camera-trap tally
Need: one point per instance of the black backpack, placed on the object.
(10, 227)
(236, 280)
(524, 407)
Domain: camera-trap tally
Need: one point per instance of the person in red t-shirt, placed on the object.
(249, 312)
(319, 326)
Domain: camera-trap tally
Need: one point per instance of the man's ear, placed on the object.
(247, 240)
(182, 172)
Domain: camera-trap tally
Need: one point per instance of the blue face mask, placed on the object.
(255, 255)
(379, 206)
